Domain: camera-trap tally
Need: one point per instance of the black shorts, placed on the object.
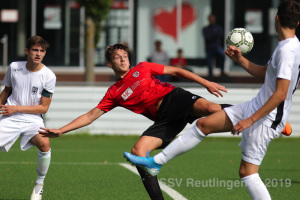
(173, 115)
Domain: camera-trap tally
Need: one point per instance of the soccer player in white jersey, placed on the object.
(27, 95)
(259, 120)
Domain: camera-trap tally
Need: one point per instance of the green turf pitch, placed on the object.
(87, 167)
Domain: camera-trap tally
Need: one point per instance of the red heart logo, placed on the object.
(165, 21)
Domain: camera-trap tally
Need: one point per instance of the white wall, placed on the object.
(70, 102)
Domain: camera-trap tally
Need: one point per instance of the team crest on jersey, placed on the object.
(34, 90)
(136, 74)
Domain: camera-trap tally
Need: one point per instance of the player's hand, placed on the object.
(234, 53)
(215, 89)
(8, 110)
(52, 133)
(242, 125)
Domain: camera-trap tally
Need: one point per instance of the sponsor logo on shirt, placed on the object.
(19, 69)
(127, 93)
(120, 88)
(34, 90)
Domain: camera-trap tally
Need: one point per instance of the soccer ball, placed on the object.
(241, 38)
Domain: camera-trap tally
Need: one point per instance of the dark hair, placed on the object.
(37, 40)
(289, 13)
(111, 49)
(157, 42)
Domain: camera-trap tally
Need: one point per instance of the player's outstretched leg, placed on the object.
(42, 169)
(43, 159)
(180, 145)
(147, 164)
(144, 144)
(255, 186)
(151, 185)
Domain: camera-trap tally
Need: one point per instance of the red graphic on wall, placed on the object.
(165, 21)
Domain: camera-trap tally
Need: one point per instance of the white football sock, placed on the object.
(43, 165)
(256, 187)
(180, 145)
(37, 188)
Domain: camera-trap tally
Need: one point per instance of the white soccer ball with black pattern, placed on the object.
(241, 38)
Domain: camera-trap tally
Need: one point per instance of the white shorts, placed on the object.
(255, 139)
(11, 129)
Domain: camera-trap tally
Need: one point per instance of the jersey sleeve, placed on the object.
(285, 65)
(156, 69)
(50, 83)
(7, 78)
(106, 104)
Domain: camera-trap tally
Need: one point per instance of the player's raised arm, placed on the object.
(212, 87)
(79, 122)
(255, 70)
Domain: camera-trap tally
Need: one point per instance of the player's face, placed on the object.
(35, 54)
(120, 61)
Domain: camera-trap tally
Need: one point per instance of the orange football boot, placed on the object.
(287, 129)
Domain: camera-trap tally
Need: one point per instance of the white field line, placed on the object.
(172, 193)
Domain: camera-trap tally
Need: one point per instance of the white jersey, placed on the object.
(27, 87)
(285, 64)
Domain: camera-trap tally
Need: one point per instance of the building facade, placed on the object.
(135, 22)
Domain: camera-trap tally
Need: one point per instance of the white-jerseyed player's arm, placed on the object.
(79, 122)
(280, 94)
(3, 98)
(255, 70)
(4, 95)
(37, 109)
(274, 101)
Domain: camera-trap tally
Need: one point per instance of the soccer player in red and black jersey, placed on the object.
(138, 90)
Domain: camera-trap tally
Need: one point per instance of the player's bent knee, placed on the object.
(135, 151)
(242, 173)
(43, 145)
(201, 124)
(138, 151)
(247, 169)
